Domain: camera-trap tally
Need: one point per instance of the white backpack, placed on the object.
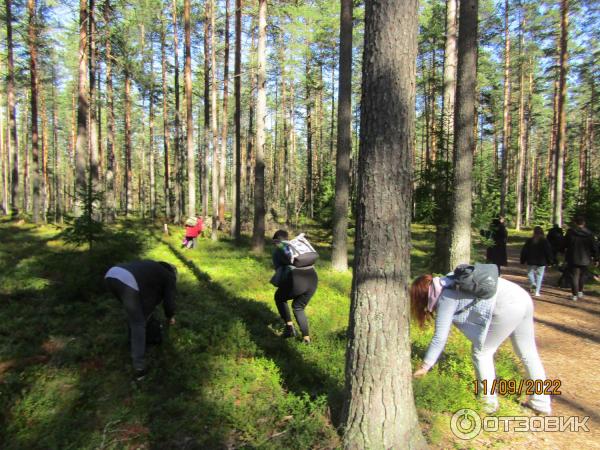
(303, 254)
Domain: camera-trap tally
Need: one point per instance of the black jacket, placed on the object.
(581, 246)
(497, 254)
(156, 283)
(537, 253)
(556, 239)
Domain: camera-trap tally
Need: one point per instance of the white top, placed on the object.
(124, 276)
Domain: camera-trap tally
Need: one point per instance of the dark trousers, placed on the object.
(577, 278)
(300, 287)
(130, 298)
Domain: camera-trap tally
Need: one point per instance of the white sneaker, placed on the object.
(574, 298)
(580, 294)
(537, 294)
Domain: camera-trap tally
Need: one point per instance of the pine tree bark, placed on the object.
(93, 126)
(506, 130)
(191, 165)
(309, 140)
(213, 102)
(464, 141)
(111, 204)
(81, 152)
(339, 256)
(32, 43)
(379, 410)
(58, 185)
(178, 188)
(223, 159)
(128, 166)
(258, 231)
(166, 129)
(561, 138)
(207, 157)
(151, 133)
(521, 155)
(237, 229)
(13, 142)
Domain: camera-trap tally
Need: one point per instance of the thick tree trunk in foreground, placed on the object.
(464, 141)
(379, 411)
(561, 138)
(258, 231)
(339, 256)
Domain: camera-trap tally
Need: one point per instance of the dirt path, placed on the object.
(568, 338)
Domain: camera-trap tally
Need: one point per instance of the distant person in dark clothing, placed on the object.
(496, 254)
(556, 238)
(537, 254)
(580, 251)
(141, 286)
(298, 284)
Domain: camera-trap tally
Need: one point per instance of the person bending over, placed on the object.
(141, 286)
(486, 323)
(293, 283)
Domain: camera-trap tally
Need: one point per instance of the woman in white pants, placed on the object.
(487, 323)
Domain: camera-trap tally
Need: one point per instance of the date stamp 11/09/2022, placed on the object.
(514, 387)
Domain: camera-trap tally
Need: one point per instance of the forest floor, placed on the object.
(568, 339)
(224, 378)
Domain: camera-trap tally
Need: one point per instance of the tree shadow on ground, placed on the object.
(299, 376)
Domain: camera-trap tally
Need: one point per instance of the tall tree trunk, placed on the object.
(13, 145)
(32, 42)
(177, 210)
(506, 131)
(441, 254)
(258, 231)
(25, 133)
(188, 102)
(561, 138)
(464, 142)
(223, 161)
(207, 156)
(553, 134)
(81, 152)
(213, 126)
(58, 185)
(93, 127)
(379, 411)
(339, 256)
(520, 178)
(309, 140)
(4, 163)
(128, 168)
(44, 154)
(110, 135)
(237, 229)
(166, 129)
(151, 133)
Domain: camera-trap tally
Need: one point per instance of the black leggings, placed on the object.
(577, 278)
(300, 287)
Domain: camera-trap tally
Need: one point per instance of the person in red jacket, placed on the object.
(193, 228)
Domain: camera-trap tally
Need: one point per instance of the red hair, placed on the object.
(419, 294)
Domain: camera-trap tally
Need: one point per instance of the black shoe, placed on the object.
(140, 375)
(289, 332)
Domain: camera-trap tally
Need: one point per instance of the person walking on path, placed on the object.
(486, 323)
(537, 254)
(496, 254)
(141, 286)
(298, 284)
(193, 228)
(580, 251)
(556, 238)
